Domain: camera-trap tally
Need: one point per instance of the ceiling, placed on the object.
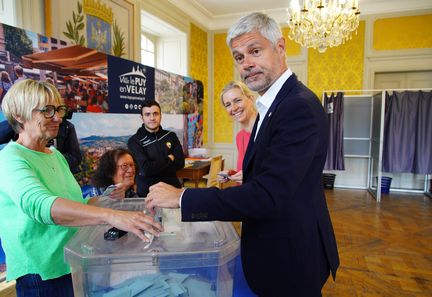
(220, 14)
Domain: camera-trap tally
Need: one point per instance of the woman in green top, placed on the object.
(40, 200)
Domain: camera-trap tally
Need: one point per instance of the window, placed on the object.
(8, 12)
(147, 50)
(162, 45)
(43, 39)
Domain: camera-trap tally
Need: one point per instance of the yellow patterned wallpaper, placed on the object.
(223, 73)
(292, 47)
(339, 68)
(199, 67)
(403, 33)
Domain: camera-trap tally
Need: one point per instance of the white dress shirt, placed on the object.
(264, 102)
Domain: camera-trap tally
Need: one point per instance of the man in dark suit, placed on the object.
(288, 246)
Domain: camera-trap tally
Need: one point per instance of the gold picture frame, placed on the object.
(59, 12)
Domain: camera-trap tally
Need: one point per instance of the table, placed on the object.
(7, 289)
(194, 172)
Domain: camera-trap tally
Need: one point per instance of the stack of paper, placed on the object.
(162, 285)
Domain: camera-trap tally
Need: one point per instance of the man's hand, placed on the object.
(171, 156)
(163, 195)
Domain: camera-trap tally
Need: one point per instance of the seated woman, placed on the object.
(40, 200)
(116, 167)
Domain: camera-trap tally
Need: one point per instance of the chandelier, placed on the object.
(320, 24)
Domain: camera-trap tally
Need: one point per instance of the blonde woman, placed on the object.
(40, 200)
(239, 103)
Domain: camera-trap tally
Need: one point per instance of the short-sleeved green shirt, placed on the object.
(30, 181)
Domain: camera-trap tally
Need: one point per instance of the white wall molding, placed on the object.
(371, 52)
(210, 91)
(390, 64)
(300, 69)
(195, 11)
(392, 60)
(228, 151)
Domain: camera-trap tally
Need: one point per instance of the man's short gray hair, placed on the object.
(256, 21)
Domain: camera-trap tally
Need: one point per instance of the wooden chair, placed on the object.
(210, 179)
(215, 168)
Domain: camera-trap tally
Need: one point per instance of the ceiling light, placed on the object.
(320, 24)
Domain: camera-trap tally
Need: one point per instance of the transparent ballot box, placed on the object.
(188, 259)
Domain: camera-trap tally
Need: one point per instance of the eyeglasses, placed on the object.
(125, 166)
(50, 110)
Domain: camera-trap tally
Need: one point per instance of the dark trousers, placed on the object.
(31, 285)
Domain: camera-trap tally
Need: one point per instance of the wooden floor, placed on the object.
(385, 249)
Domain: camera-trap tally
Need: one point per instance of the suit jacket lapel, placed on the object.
(283, 93)
(250, 144)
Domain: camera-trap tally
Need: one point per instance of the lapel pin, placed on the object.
(269, 114)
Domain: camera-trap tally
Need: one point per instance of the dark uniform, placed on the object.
(151, 152)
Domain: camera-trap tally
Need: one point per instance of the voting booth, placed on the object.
(188, 259)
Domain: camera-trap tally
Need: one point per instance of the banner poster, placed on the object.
(130, 83)
(104, 93)
(15, 45)
(79, 73)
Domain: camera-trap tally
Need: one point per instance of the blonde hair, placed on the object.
(25, 96)
(236, 85)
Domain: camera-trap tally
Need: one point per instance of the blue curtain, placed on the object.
(333, 106)
(408, 132)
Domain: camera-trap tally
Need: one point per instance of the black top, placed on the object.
(151, 152)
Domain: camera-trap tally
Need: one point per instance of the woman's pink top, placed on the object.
(242, 140)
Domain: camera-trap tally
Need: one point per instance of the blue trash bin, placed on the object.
(385, 184)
